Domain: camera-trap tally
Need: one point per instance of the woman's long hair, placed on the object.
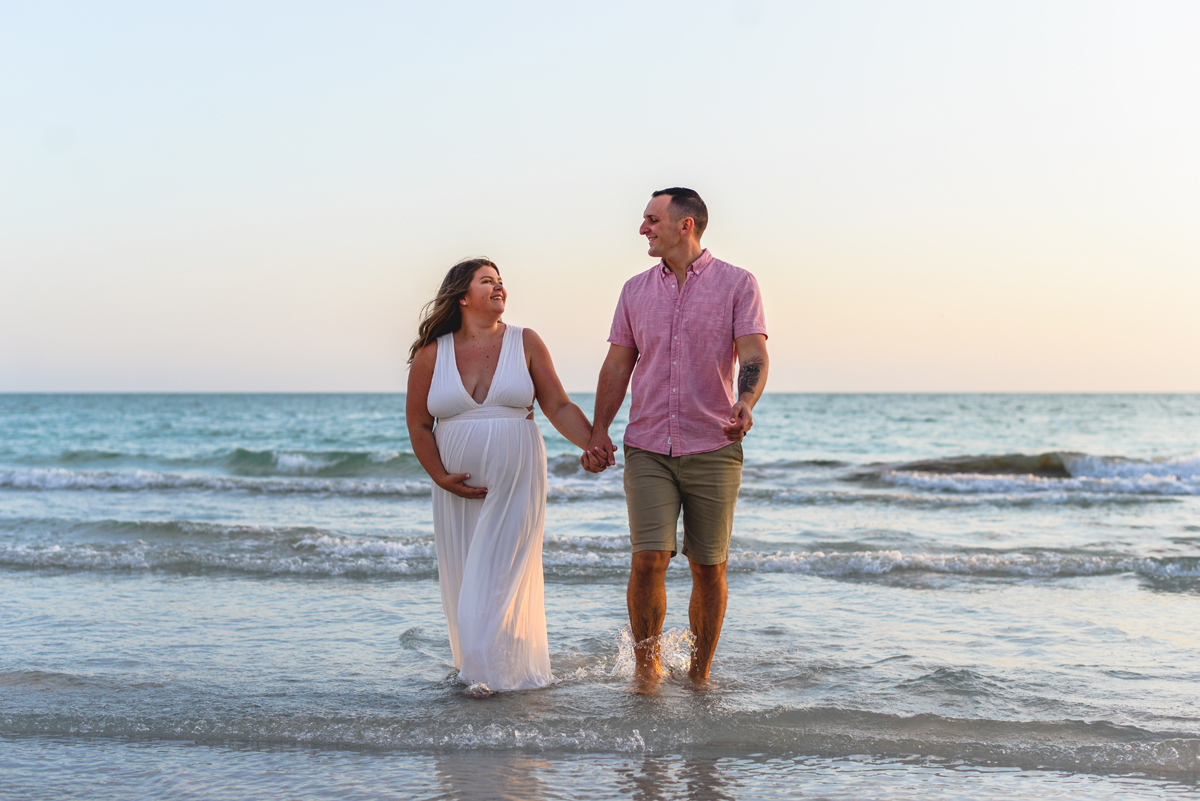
(442, 314)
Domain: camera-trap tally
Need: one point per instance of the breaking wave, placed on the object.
(187, 548)
(1053, 472)
(1007, 480)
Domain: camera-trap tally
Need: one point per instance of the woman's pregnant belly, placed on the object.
(494, 452)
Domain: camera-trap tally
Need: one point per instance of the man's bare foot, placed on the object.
(647, 670)
(647, 679)
(648, 686)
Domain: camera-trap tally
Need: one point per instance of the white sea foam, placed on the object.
(301, 463)
(617, 543)
(86, 556)
(43, 478)
(1141, 480)
(300, 466)
(327, 555)
(876, 563)
(1147, 484)
(1184, 468)
(348, 548)
(1094, 475)
(144, 557)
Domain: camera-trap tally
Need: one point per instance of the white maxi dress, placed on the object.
(489, 551)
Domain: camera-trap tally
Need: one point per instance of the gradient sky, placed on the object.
(935, 196)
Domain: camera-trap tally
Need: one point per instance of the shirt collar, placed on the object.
(695, 268)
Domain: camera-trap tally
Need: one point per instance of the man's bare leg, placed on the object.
(706, 613)
(647, 601)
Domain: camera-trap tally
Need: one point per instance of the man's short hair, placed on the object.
(686, 203)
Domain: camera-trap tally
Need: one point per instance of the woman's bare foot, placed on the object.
(479, 690)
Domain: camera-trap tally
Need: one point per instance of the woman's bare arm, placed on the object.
(564, 415)
(420, 427)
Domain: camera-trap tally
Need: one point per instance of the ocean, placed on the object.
(930, 596)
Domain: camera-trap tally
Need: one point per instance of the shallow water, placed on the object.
(100, 770)
(975, 596)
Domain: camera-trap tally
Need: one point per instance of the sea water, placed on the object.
(951, 596)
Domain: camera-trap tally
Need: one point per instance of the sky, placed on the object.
(934, 196)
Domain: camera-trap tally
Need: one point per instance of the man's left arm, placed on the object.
(752, 379)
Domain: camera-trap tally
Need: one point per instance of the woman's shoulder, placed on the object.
(534, 346)
(426, 355)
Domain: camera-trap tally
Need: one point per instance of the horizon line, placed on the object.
(592, 392)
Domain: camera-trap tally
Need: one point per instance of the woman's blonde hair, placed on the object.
(442, 314)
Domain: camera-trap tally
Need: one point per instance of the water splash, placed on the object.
(676, 647)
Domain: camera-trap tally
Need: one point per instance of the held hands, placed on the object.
(741, 420)
(600, 453)
(455, 483)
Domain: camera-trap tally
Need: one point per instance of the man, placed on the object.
(680, 324)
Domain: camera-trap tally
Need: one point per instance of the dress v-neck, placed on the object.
(492, 385)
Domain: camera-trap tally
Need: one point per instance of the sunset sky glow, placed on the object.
(934, 196)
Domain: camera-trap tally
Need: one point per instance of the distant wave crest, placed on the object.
(325, 464)
(55, 478)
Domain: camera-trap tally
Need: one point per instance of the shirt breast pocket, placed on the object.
(708, 322)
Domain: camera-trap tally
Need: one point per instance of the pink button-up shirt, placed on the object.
(683, 381)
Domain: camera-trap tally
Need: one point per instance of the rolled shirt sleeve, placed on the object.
(748, 315)
(621, 332)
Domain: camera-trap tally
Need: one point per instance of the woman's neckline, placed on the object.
(492, 382)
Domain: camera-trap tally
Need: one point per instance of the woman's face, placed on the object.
(487, 293)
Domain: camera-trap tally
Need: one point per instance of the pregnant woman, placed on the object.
(477, 378)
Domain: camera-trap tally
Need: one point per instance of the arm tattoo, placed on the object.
(748, 375)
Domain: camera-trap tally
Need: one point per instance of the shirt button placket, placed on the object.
(673, 405)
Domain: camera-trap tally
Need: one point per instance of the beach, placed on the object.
(948, 596)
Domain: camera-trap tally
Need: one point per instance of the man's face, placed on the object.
(661, 231)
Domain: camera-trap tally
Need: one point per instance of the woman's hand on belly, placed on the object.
(455, 483)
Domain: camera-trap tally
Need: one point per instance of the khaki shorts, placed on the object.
(705, 485)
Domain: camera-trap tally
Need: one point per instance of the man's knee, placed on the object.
(650, 564)
(708, 574)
